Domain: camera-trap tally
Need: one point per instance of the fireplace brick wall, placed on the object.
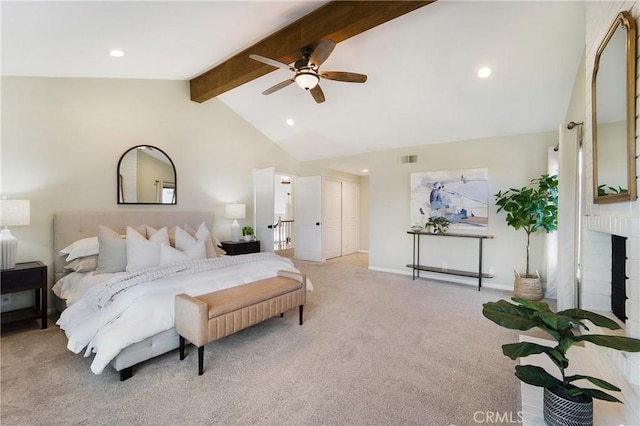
(600, 221)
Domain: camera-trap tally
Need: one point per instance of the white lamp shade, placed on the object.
(14, 212)
(235, 211)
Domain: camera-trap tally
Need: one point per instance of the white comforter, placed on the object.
(146, 308)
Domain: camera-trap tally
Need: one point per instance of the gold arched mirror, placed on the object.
(146, 175)
(613, 103)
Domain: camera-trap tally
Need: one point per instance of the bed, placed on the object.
(123, 318)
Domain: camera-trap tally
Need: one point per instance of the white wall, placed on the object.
(364, 214)
(62, 138)
(511, 161)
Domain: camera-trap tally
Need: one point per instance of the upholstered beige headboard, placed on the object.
(72, 226)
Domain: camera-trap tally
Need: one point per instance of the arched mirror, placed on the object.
(613, 95)
(146, 175)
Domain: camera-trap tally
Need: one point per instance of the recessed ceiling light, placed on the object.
(484, 72)
(116, 53)
(290, 121)
(365, 170)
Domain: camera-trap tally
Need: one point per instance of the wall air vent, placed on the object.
(409, 159)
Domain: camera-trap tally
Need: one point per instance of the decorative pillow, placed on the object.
(203, 234)
(143, 253)
(81, 248)
(184, 240)
(113, 251)
(218, 246)
(169, 254)
(172, 236)
(189, 230)
(83, 264)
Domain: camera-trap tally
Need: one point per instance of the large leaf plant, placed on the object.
(562, 326)
(532, 207)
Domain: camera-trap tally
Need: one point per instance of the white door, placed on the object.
(263, 197)
(308, 213)
(332, 203)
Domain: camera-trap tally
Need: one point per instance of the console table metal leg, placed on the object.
(480, 265)
(413, 262)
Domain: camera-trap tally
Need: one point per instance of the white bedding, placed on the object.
(147, 308)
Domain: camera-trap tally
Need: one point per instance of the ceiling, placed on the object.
(422, 86)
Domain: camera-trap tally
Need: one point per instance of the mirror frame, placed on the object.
(626, 21)
(119, 178)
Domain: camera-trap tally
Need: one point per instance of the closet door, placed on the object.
(350, 217)
(332, 212)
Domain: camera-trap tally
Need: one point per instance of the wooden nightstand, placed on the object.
(26, 276)
(241, 247)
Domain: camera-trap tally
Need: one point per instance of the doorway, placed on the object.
(284, 221)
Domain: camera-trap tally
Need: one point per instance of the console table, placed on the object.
(416, 267)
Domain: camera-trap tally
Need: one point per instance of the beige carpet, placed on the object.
(375, 349)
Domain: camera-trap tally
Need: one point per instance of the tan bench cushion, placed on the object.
(234, 298)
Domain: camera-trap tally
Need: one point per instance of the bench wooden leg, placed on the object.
(182, 344)
(301, 306)
(200, 360)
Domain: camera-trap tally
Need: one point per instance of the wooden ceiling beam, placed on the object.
(336, 20)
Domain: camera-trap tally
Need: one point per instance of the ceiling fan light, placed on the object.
(307, 80)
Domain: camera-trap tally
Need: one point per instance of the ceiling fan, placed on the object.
(307, 70)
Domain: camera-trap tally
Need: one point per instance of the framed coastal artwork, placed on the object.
(461, 196)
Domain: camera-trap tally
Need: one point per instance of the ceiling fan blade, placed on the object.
(278, 86)
(349, 77)
(317, 94)
(271, 62)
(321, 52)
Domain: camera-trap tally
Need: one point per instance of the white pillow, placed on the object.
(113, 251)
(169, 254)
(183, 239)
(143, 253)
(81, 248)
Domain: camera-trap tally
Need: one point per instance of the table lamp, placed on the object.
(13, 213)
(235, 211)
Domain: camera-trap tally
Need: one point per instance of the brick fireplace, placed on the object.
(599, 222)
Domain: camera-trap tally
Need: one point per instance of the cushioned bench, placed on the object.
(206, 318)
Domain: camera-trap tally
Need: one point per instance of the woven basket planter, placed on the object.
(529, 288)
(559, 411)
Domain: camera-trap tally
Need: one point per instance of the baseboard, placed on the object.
(450, 278)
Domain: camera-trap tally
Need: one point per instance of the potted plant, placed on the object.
(440, 224)
(561, 395)
(531, 208)
(247, 233)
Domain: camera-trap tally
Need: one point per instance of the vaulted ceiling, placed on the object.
(422, 86)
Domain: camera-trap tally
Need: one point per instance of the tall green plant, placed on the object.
(560, 326)
(531, 207)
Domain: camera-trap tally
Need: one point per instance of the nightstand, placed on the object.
(241, 247)
(26, 276)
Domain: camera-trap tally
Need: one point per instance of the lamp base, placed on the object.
(8, 250)
(235, 231)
